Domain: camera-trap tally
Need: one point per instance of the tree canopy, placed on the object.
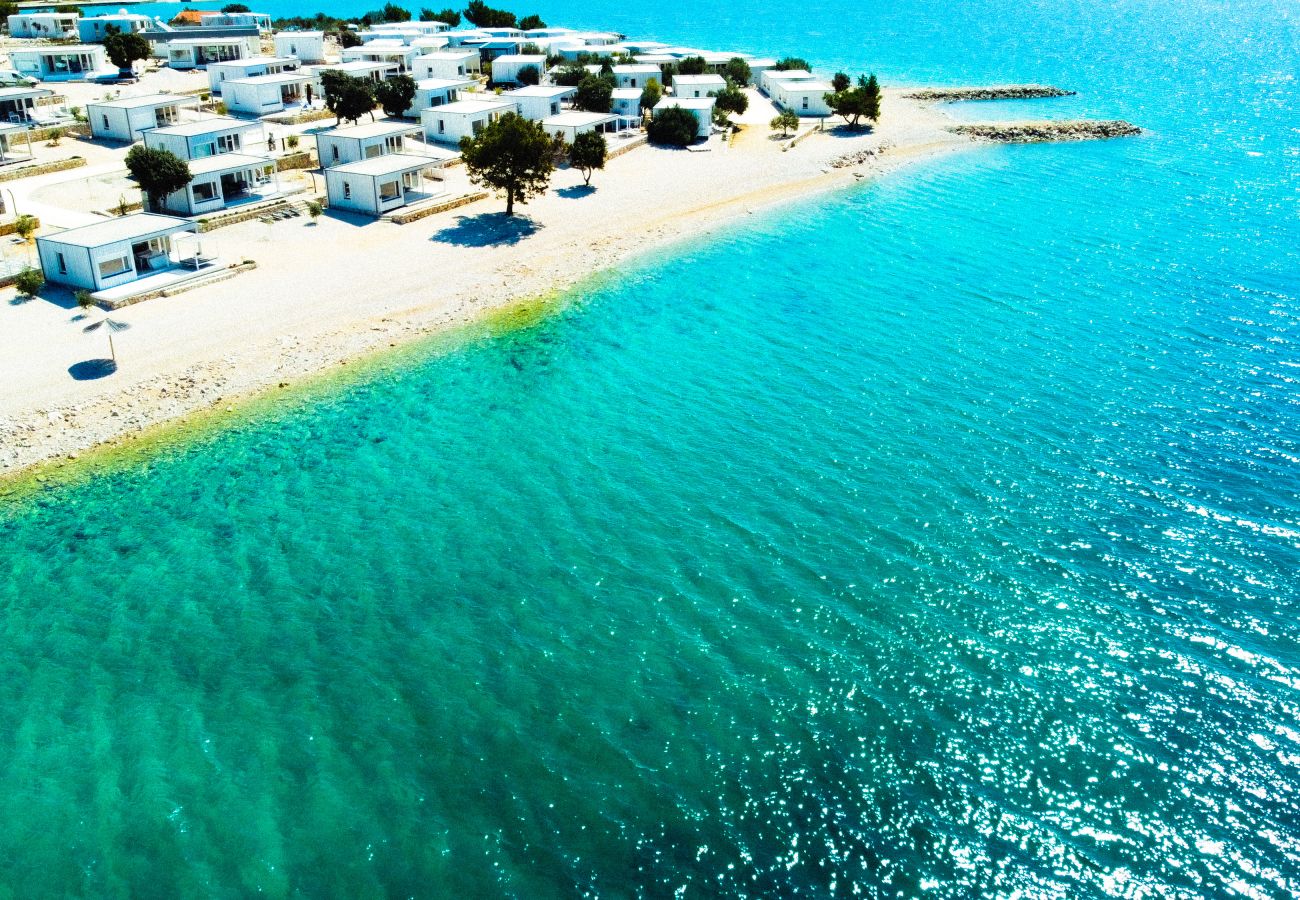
(595, 94)
(857, 103)
(449, 16)
(651, 94)
(528, 75)
(511, 154)
(731, 99)
(347, 97)
(673, 126)
(349, 38)
(588, 153)
(235, 8)
(692, 65)
(396, 94)
(529, 23)
(791, 63)
(569, 75)
(840, 81)
(738, 71)
(390, 13)
(484, 16)
(124, 48)
(158, 172)
(787, 120)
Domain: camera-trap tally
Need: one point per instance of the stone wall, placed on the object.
(57, 165)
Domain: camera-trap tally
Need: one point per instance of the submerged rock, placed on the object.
(1043, 132)
(996, 92)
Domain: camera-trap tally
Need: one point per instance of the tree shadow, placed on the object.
(844, 130)
(90, 369)
(576, 192)
(487, 230)
(20, 299)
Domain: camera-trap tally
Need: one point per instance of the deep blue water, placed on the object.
(938, 538)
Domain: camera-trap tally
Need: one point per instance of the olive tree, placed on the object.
(588, 153)
(511, 154)
(158, 172)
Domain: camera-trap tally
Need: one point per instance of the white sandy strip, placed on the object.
(323, 294)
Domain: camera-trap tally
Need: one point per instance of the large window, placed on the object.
(204, 190)
(228, 143)
(110, 267)
(389, 190)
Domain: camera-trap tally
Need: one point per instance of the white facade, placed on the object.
(94, 29)
(397, 55)
(18, 104)
(447, 64)
(768, 78)
(424, 28)
(127, 119)
(111, 253)
(626, 102)
(379, 185)
(265, 94)
(49, 25)
(260, 21)
(197, 53)
(505, 69)
(307, 46)
(697, 86)
(353, 143)
(431, 92)
(464, 118)
(206, 137)
(221, 72)
(702, 109)
(221, 181)
(537, 102)
(805, 96)
(636, 75)
(568, 125)
(67, 62)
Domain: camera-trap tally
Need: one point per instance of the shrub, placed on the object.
(30, 281)
(673, 126)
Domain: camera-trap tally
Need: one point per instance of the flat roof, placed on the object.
(143, 101)
(687, 102)
(18, 93)
(637, 68)
(203, 42)
(226, 162)
(532, 58)
(272, 78)
(575, 118)
(626, 93)
(540, 90)
(372, 130)
(289, 34)
(205, 126)
(388, 164)
(469, 107)
(60, 49)
(434, 84)
(448, 54)
(353, 65)
(253, 61)
(698, 79)
(125, 228)
(809, 85)
(789, 74)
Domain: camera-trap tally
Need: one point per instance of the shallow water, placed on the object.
(939, 537)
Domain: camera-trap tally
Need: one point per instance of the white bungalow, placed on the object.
(265, 94)
(118, 251)
(769, 78)
(307, 46)
(505, 68)
(645, 46)
(50, 25)
(464, 118)
(696, 86)
(396, 35)
(93, 29)
(429, 44)
(447, 64)
(380, 184)
(375, 71)
(701, 108)
(537, 101)
(568, 125)
(805, 96)
(197, 52)
(223, 181)
(395, 53)
(66, 62)
(655, 59)
(431, 27)
(431, 92)
(206, 137)
(635, 75)
(260, 21)
(626, 102)
(220, 72)
(128, 118)
(18, 104)
(353, 143)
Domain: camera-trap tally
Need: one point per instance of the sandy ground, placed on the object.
(329, 292)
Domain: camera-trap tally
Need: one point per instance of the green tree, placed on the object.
(528, 75)
(673, 126)
(791, 63)
(530, 49)
(731, 99)
(349, 38)
(787, 121)
(390, 13)
(511, 154)
(30, 281)
(7, 10)
(595, 94)
(84, 299)
(570, 75)
(484, 16)
(235, 8)
(531, 23)
(840, 82)
(25, 227)
(738, 71)
(347, 97)
(650, 94)
(124, 48)
(396, 94)
(668, 70)
(158, 172)
(857, 103)
(692, 65)
(588, 153)
(448, 16)
(314, 210)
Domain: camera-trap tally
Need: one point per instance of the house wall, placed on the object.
(792, 97)
(438, 67)
(109, 123)
(252, 99)
(637, 79)
(427, 99)
(201, 146)
(95, 29)
(698, 90)
(538, 108)
(454, 126)
(363, 190)
(308, 48)
(78, 274)
(42, 25)
(37, 62)
(508, 70)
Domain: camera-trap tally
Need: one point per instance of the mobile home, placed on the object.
(306, 46)
(49, 25)
(265, 94)
(353, 143)
(206, 137)
(128, 118)
(220, 182)
(117, 251)
(66, 62)
(251, 67)
(464, 118)
(381, 184)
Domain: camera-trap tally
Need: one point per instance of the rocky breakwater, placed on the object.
(996, 92)
(1046, 132)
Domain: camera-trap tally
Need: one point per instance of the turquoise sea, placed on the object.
(939, 538)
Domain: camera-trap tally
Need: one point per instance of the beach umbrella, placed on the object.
(112, 325)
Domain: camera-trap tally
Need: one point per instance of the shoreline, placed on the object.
(201, 376)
